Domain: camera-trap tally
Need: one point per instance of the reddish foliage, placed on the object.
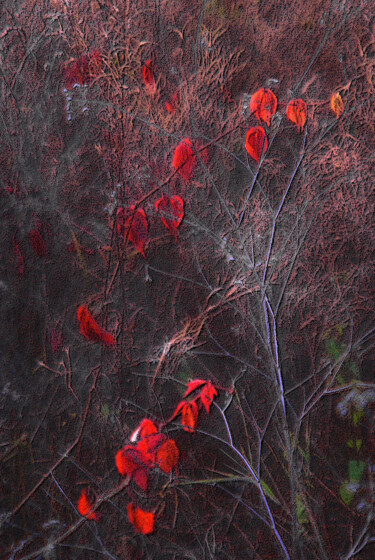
(194, 384)
(90, 328)
(263, 104)
(172, 104)
(207, 395)
(297, 113)
(256, 142)
(172, 211)
(85, 506)
(134, 228)
(189, 411)
(168, 456)
(38, 244)
(185, 159)
(143, 521)
(83, 69)
(149, 77)
(131, 462)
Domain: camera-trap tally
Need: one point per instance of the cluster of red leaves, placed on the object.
(91, 330)
(153, 449)
(85, 506)
(83, 69)
(189, 410)
(256, 142)
(185, 159)
(297, 113)
(132, 224)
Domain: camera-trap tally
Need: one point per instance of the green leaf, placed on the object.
(301, 511)
(105, 411)
(357, 416)
(346, 494)
(358, 444)
(356, 470)
(333, 348)
(267, 489)
(350, 443)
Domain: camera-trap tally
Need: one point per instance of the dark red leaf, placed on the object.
(171, 210)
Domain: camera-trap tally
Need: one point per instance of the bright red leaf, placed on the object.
(171, 210)
(297, 113)
(85, 506)
(190, 413)
(184, 159)
(90, 328)
(207, 395)
(256, 142)
(143, 521)
(149, 77)
(263, 104)
(194, 384)
(167, 456)
(131, 462)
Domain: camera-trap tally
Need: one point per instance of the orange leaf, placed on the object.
(90, 328)
(171, 210)
(207, 395)
(143, 521)
(194, 384)
(297, 113)
(85, 506)
(337, 105)
(190, 416)
(256, 142)
(263, 104)
(168, 456)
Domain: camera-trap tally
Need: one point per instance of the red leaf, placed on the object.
(256, 142)
(207, 395)
(190, 416)
(135, 227)
(90, 328)
(194, 385)
(171, 210)
(149, 77)
(184, 159)
(179, 408)
(147, 428)
(131, 462)
(85, 506)
(149, 445)
(171, 105)
(168, 455)
(143, 521)
(297, 113)
(263, 104)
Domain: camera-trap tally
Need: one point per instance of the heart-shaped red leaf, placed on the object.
(171, 211)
